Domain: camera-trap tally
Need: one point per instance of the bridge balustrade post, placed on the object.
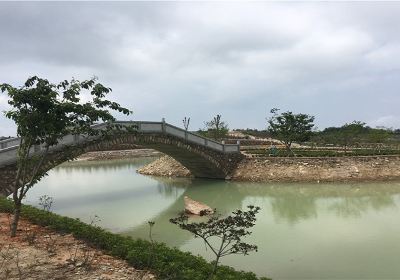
(163, 125)
(223, 146)
(238, 143)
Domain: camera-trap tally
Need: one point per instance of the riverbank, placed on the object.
(292, 169)
(40, 253)
(118, 154)
(163, 262)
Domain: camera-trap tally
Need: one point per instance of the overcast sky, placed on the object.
(337, 61)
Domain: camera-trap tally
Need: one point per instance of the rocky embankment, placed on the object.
(274, 169)
(165, 166)
(324, 169)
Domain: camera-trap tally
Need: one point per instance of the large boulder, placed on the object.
(196, 208)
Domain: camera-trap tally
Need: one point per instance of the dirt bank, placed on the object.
(371, 168)
(119, 154)
(38, 253)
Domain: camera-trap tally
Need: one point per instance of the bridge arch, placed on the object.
(204, 157)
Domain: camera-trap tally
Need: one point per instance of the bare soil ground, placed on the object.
(118, 154)
(39, 253)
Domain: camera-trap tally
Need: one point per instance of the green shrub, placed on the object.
(167, 263)
(324, 153)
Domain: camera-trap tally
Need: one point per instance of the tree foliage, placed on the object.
(353, 134)
(229, 230)
(288, 127)
(44, 113)
(216, 128)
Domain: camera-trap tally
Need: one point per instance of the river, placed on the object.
(303, 231)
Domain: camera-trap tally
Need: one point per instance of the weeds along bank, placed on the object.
(296, 169)
(162, 261)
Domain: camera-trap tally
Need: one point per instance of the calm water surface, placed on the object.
(304, 231)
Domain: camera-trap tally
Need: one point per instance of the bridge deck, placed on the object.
(9, 147)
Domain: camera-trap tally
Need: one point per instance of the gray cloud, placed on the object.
(338, 61)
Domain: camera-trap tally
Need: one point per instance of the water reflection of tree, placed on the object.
(290, 203)
(215, 193)
(294, 208)
(293, 202)
(355, 206)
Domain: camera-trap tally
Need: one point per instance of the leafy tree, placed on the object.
(378, 136)
(347, 135)
(216, 128)
(350, 133)
(44, 113)
(288, 127)
(230, 230)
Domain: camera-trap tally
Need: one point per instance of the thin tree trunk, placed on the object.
(289, 149)
(214, 269)
(14, 224)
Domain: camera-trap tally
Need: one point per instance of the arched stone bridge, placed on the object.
(205, 158)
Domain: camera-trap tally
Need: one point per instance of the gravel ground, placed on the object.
(165, 166)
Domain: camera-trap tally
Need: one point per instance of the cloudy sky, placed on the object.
(337, 61)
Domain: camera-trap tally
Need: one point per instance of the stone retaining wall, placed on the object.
(319, 169)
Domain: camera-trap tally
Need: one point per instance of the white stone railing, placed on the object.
(9, 147)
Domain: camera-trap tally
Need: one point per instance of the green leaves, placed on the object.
(288, 127)
(216, 128)
(353, 134)
(230, 230)
(45, 112)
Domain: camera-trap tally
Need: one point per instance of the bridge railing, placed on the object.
(9, 142)
(9, 147)
(166, 128)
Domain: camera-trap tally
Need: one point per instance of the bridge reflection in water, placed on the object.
(303, 230)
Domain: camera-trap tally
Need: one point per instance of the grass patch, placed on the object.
(163, 261)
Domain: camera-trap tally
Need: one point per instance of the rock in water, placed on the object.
(196, 208)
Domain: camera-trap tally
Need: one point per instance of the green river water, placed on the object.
(304, 231)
